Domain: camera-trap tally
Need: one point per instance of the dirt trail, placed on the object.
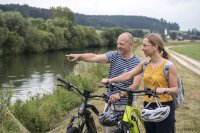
(190, 63)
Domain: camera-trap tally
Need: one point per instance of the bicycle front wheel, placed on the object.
(73, 130)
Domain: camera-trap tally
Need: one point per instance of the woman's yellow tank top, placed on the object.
(155, 78)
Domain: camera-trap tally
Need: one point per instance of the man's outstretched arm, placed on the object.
(88, 57)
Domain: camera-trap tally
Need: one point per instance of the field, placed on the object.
(189, 50)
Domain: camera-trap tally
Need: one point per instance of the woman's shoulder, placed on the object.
(168, 64)
(146, 61)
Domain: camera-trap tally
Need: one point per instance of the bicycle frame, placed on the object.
(85, 116)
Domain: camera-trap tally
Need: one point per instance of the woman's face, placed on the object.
(147, 47)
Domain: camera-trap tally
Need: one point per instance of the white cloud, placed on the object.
(184, 12)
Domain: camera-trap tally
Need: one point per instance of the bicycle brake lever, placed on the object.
(68, 87)
(111, 86)
(151, 93)
(101, 86)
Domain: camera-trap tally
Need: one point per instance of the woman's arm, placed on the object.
(173, 77)
(173, 86)
(125, 76)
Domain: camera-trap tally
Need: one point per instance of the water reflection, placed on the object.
(32, 74)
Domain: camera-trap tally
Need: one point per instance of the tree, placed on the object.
(137, 33)
(173, 35)
(14, 21)
(110, 36)
(14, 44)
(3, 38)
(65, 12)
(59, 22)
(38, 23)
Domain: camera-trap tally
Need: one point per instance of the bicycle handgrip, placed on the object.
(61, 80)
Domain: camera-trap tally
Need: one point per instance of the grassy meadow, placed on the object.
(188, 115)
(191, 51)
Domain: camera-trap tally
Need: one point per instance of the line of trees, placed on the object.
(99, 21)
(32, 35)
(131, 22)
(22, 34)
(28, 11)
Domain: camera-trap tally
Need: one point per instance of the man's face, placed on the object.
(123, 45)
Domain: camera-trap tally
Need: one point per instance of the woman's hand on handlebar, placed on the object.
(162, 91)
(105, 81)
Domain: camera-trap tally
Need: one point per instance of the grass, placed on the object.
(187, 116)
(191, 51)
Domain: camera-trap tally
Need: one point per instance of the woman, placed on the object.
(154, 78)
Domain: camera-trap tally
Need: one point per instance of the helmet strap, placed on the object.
(157, 102)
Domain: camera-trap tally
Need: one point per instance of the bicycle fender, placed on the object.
(93, 108)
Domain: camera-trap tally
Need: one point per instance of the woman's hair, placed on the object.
(156, 39)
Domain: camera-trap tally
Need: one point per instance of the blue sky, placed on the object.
(184, 12)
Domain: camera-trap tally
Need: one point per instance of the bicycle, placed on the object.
(130, 116)
(85, 118)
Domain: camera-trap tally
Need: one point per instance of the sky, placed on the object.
(184, 12)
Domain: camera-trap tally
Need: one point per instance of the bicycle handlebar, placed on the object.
(146, 91)
(85, 94)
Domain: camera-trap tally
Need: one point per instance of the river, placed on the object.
(36, 73)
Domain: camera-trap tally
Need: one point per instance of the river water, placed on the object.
(36, 74)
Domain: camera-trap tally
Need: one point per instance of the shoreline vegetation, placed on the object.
(42, 114)
(20, 35)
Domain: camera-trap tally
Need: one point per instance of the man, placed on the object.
(121, 61)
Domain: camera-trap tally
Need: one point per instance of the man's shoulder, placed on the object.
(112, 54)
(137, 58)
